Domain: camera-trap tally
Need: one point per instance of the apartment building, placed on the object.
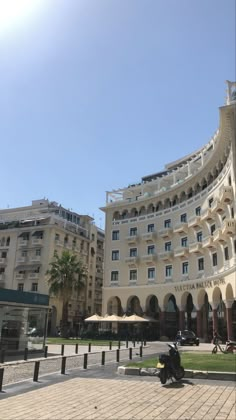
(170, 248)
(30, 235)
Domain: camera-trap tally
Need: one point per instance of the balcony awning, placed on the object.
(27, 267)
(23, 234)
(37, 232)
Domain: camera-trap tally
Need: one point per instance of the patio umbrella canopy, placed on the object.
(111, 318)
(134, 318)
(94, 318)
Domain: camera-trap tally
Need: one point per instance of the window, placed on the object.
(185, 267)
(8, 241)
(133, 252)
(200, 264)
(133, 275)
(4, 254)
(210, 202)
(198, 211)
(151, 249)
(184, 241)
(167, 223)
(24, 253)
(168, 270)
(232, 212)
(213, 228)
(183, 218)
(151, 273)
(226, 252)
(214, 259)
(90, 294)
(151, 228)
(115, 255)
(115, 235)
(133, 231)
(167, 246)
(20, 287)
(34, 287)
(199, 236)
(38, 252)
(114, 276)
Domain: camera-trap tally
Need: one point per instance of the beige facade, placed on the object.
(170, 240)
(30, 235)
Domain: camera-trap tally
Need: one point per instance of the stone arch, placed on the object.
(167, 203)
(152, 306)
(175, 200)
(150, 208)
(142, 211)
(216, 295)
(133, 212)
(124, 214)
(209, 178)
(171, 315)
(116, 215)
(197, 188)
(203, 184)
(190, 192)
(182, 196)
(229, 294)
(133, 306)
(159, 206)
(114, 306)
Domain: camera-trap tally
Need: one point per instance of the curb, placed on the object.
(193, 374)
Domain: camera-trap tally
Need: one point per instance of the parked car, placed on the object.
(186, 337)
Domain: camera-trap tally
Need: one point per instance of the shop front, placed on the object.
(23, 321)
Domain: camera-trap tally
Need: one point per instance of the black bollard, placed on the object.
(134, 343)
(127, 344)
(103, 358)
(2, 358)
(117, 355)
(140, 351)
(110, 345)
(62, 349)
(46, 351)
(89, 347)
(130, 353)
(26, 354)
(144, 342)
(36, 371)
(1, 378)
(85, 360)
(76, 348)
(118, 344)
(63, 365)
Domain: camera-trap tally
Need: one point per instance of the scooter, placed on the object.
(170, 365)
(230, 347)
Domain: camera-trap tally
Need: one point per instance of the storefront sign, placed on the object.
(199, 285)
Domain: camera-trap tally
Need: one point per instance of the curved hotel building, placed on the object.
(170, 251)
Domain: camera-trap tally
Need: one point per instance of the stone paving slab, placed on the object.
(91, 399)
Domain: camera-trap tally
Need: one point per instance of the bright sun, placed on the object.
(13, 12)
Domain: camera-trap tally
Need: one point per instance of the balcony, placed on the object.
(132, 239)
(23, 242)
(35, 258)
(194, 222)
(181, 227)
(206, 215)
(208, 242)
(21, 260)
(3, 261)
(33, 276)
(181, 251)
(195, 247)
(166, 232)
(20, 276)
(166, 256)
(132, 261)
(149, 258)
(37, 241)
(218, 236)
(228, 227)
(217, 206)
(226, 194)
(58, 242)
(149, 236)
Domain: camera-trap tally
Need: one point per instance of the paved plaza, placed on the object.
(94, 398)
(100, 393)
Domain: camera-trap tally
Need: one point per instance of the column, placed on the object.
(162, 316)
(199, 323)
(229, 322)
(214, 320)
(181, 320)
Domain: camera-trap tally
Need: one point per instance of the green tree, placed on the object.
(67, 276)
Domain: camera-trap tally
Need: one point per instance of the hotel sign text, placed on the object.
(199, 285)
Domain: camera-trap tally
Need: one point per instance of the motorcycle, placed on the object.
(230, 347)
(170, 365)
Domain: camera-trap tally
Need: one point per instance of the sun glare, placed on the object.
(15, 12)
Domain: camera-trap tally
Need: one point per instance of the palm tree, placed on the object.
(67, 276)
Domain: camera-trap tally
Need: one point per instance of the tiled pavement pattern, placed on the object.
(89, 398)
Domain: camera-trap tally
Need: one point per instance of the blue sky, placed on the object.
(95, 94)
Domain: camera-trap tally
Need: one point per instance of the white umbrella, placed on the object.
(111, 318)
(133, 318)
(94, 318)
